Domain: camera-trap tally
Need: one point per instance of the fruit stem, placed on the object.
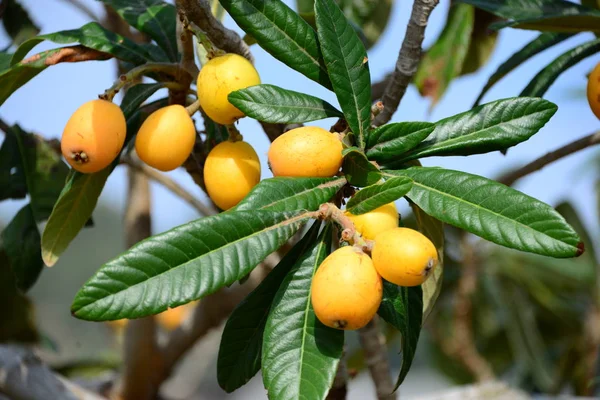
(212, 51)
(329, 211)
(234, 134)
(193, 108)
(136, 73)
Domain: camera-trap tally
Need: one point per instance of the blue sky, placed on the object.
(45, 104)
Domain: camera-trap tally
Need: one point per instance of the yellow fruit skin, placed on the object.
(173, 317)
(346, 290)
(404, 256)
(166, 138)
(308, 151)
(593, 91)
(93, 136)
(374, 222)
(219, 77)
(231, 170)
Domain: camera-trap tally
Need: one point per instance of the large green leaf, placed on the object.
(402, 307)
(542, 42)
(71, 211)
(276, 105)
(370, 16)
(546, 77)
(389, 141)
(490, 127)
(21, 241)
(287, 194)
(17, 23)
(492, 211)
(299, 354)
(434, 230)
(91, 35)
(206, 254)
(549, 15)
(282, 33)
(358, 170)
(375, 196)
(155, 18)
(346, 60)
(241, 343)
(444, 60)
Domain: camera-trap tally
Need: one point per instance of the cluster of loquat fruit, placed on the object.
(95, 134)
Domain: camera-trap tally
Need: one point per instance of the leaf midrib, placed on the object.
(399, 138)
(416, 183)
(319, 186)
(227, 245)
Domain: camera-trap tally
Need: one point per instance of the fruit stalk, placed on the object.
(331, 212)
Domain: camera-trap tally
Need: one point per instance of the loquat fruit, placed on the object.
(166, 138)
(94, 136)
(346, 289)
(593, 91)
(308, 151)
(404, 256)
(379, 220)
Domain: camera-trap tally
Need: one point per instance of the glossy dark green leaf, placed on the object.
(287, 194)
(444, 60)
(482, 43)
(155, 18)
(138, 94)
(402, 307)
(241, 343)
(17, 23)
(276, 105)
(434, 230)
(493, 126)
(91, 35)
(21, 241)
(5, 59)
(358, 170)
(346, 60)
(546, 77)
(299, 354)
(282, 33)
(542, 42)
(207, 254)
(12, 176)
(380, 194)
(542, 15)
(492, 211)
(390, 141)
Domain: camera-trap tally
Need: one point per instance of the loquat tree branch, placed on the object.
(372, 341)
(339, 388)
(200, 13)
(536, 165)
(408, 59)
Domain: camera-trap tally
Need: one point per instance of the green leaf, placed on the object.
(346, 60)
(482, 43)
(402, 308)
(136, 95)
(12, 175)
(5, 59)
(155, 18)
(380, 194)
(541, 15)
(215, 133)
(492, 211)
(444, 60)
(546, 77)
(71, 211)
(490, 127)
(91, 35)
(21, 241)
(287, 194)
(370, 16)
(359, 171)
(542, 42)
(17, 23)
(434, 230)
(276, 105)
(207, 254)
(299, 354)
(282, 33)
(389, 141)
(241, 343)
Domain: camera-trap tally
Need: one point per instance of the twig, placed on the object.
(408, 59)
(555, 155)
(375, 350)
(185, 44)
(24, 376)
(199, 12)
(173, 186)
(339, 388)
